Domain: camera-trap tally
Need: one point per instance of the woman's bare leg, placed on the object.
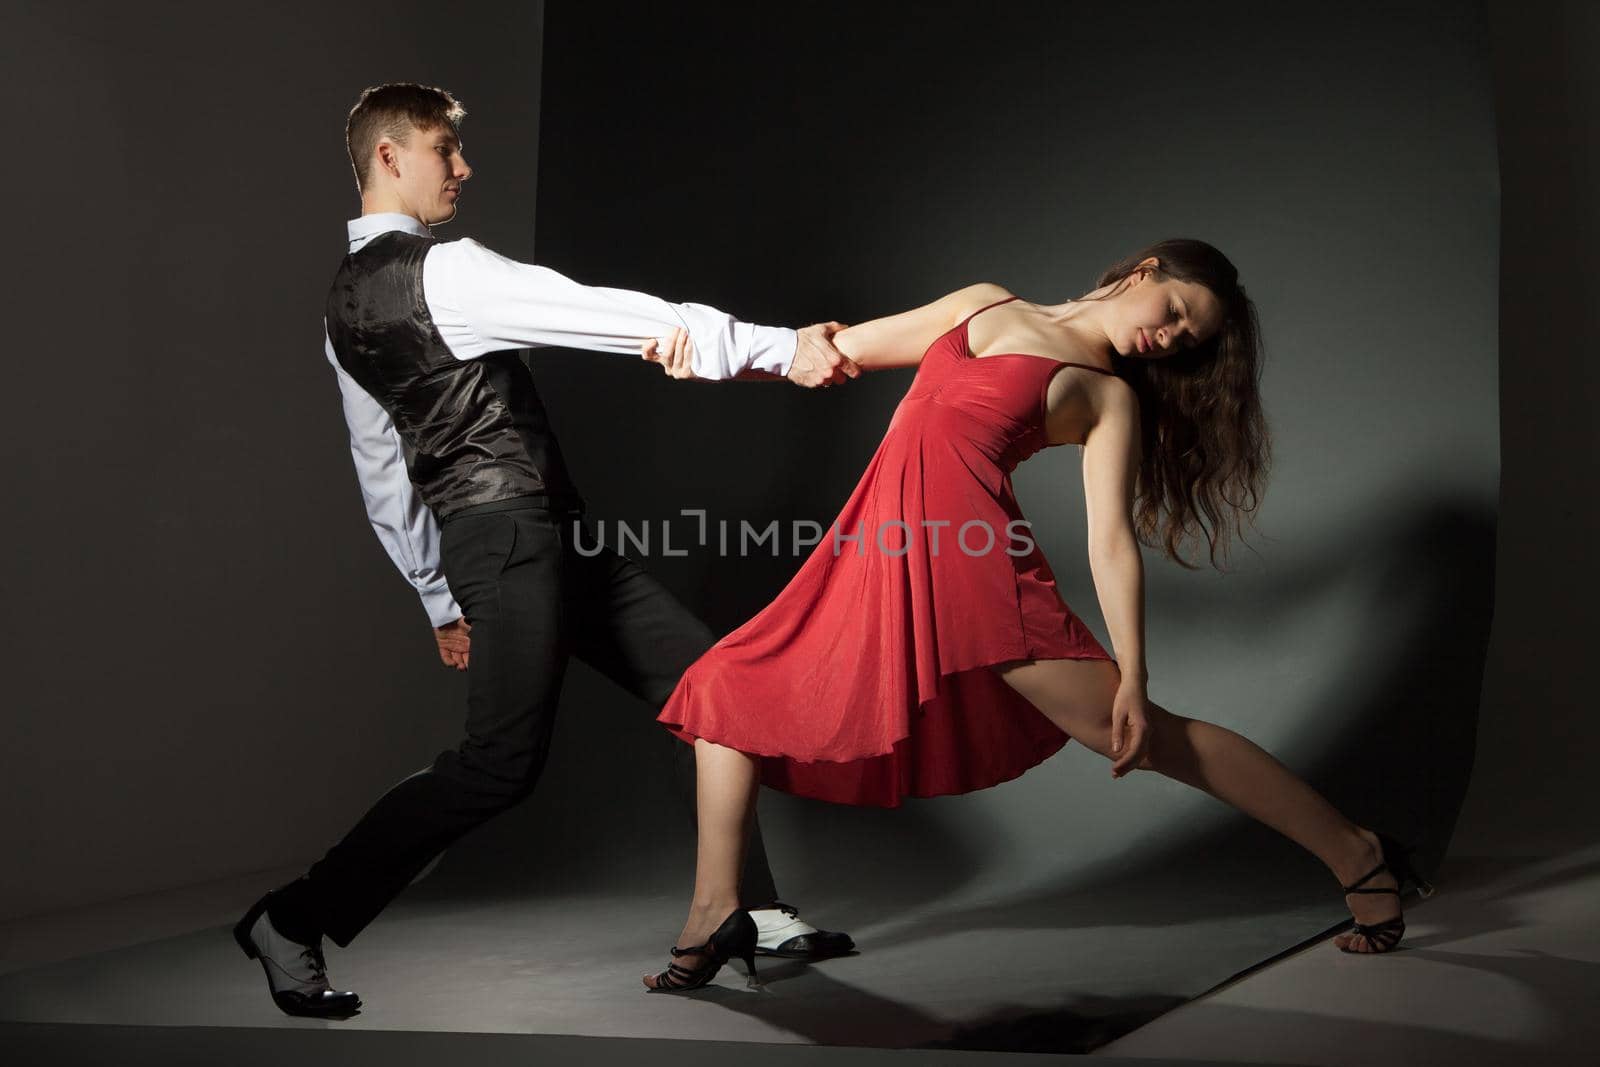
(1077, 696)
(725, 803)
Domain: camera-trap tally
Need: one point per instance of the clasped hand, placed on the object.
(816, 361)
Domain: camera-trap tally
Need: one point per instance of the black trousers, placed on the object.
(533, 600)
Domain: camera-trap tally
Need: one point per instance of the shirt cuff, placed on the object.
(772, 349)
(440, 606)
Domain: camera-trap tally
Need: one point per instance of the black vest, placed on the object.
(473, 430)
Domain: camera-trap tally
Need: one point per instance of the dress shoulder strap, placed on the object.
(986, 307)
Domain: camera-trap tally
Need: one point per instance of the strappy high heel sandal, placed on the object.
(1384, 936)
(735, 937)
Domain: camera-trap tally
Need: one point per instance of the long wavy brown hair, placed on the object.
(1206, 448)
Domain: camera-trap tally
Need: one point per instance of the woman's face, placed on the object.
(1152, 318)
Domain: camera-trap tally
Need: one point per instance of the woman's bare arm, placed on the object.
(893, 341)
(1110, 465)
(900, 340)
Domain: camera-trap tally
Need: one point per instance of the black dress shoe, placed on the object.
(297, 975)
(783, 933)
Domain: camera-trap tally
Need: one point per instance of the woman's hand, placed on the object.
(817, 363)
(678, 357)
(1130, 727)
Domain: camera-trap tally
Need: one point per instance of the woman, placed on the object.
(915, 650)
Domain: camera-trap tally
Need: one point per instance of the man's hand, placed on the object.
(454, 644)
(817, 362)
(678, 357)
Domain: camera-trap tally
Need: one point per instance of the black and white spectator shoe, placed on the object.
(297, 975)
(781, 932)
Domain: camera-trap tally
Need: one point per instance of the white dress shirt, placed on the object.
(482, 302)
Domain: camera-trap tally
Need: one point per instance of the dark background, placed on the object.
(214, 667)
(1532, 794)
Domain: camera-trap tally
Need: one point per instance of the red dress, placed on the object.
(866, 680)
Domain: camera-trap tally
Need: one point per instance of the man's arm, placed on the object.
(404, 524)
(483, 302)
(817, 360)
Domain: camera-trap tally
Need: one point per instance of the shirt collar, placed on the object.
(366, 227)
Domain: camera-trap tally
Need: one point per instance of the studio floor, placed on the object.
(1501, 966)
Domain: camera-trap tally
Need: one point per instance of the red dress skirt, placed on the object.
(866, 680)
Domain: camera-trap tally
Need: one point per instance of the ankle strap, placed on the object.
(1351, 888)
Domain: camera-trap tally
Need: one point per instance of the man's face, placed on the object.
(432, 169)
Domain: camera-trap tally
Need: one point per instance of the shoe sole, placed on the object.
(805, 955)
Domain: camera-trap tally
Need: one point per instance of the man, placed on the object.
(466, 487)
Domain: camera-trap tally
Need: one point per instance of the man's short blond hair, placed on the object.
(395, 111)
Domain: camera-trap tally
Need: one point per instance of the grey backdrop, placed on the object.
(846, 162)
(216, 667)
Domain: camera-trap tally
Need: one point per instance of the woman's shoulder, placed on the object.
(973, 298)
(982, 294)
